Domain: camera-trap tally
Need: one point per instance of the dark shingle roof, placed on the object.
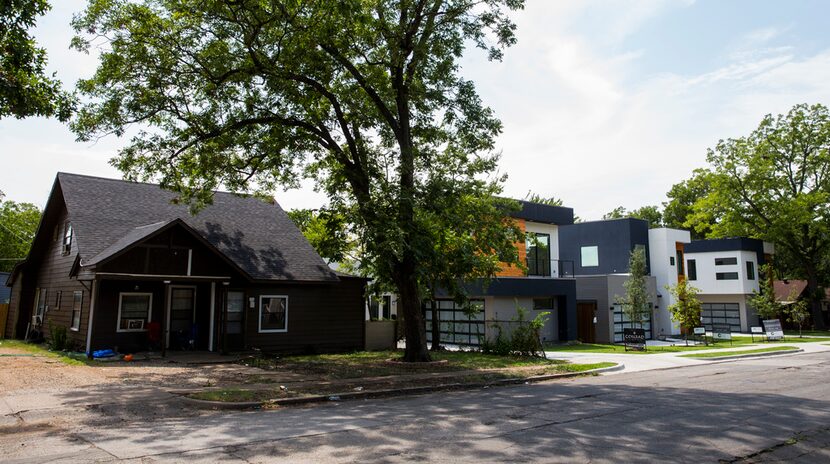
(108, 215)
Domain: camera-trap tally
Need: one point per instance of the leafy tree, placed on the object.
(536, 198)
(25, 89)
(763, 300)
(686, 307)
(18, 223)
(650, 214)
(363, 96)
(679, 211)
(798, 311)
(328, 232)
(635, 302)
(775, 185)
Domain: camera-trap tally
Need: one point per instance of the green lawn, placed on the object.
(374, 363)
(722, 354)
(620, 349)
(811, 333)
(42, 350)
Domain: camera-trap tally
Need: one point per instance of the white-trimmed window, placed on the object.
(273, 313)
(67, 238)
(590, 256)
(134, 311)
(77, 299)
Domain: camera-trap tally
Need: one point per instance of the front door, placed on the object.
(183, 331)
(585, 321)
(234, 321)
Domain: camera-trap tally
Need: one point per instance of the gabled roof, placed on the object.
(109, 215)
(788, 290)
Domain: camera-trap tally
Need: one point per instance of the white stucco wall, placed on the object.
(707, 282)
(662, 245)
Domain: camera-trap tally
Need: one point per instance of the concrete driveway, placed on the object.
(701, 413)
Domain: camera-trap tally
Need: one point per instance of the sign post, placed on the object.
(701, 332)
(755, 330)
(773, 329)
(722, 332)
(634, 339)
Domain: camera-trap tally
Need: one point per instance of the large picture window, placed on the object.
(77, 299)
(538, 254)
(273, 313)
(590, 256)
(134, 311)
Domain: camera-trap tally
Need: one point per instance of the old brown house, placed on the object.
(121, 264)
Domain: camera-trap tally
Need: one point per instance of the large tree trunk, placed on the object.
(414, 329)
(815, 297)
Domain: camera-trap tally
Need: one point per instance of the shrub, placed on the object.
(57, 338)
(524, 340)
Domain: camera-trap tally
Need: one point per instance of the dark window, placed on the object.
(725, 261)
(538, 254)
(680, 270)
(57, 300)
(543, 304)
(726, 276)
(456, 323)
(671, 260)
(750, 270)
(273, 313)
(67, 238)
(692, 266)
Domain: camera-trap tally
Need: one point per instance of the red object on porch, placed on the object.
(154, 332)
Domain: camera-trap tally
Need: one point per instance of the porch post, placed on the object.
(93, 297)
(212, 314)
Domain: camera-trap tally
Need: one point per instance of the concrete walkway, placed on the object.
(646, 362)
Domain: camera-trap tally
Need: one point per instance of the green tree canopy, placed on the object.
(774, 184)
(18, 223)
(650, 214)
(679, 211)
(363, 96)
(25, 89)
(635, 302)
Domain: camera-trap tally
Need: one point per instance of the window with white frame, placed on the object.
(590, 256)
(67, 238)
(77, 299)
(273, 313)
(134, 311)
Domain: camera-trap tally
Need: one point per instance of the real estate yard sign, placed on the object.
(722, 332)
(773, 329)
(634, 339)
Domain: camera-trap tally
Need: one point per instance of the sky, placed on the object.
(604, 103)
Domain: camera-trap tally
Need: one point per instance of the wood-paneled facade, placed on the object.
(322, 316)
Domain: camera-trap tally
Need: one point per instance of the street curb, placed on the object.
(751, 355)
(241, 405)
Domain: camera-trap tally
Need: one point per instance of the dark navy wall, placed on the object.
(727, 244)
(614, 238)
(537, 212)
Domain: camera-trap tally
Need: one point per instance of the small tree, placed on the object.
(798, 311)
(764, 300)
(686, 308)
(635, 303)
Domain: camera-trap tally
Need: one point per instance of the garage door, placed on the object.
(721, 313)
(457, 326)
(621, 321)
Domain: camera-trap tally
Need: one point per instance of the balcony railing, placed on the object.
(558, 269)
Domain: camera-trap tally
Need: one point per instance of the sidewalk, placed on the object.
(646, 362)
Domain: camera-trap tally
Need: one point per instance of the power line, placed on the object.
(15, 234)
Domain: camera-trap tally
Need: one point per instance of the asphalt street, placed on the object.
(702, 413)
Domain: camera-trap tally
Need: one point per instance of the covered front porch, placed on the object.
(163, 313)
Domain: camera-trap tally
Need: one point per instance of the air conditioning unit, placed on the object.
(37, 320)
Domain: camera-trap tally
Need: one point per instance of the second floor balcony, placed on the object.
(550, 268)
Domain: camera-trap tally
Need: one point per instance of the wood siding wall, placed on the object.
(49, 270)
(513, 271)
(321, 318)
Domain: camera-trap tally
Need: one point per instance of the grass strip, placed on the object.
(41, 350)
(723, 354)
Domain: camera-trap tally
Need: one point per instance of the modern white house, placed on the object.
(726, 273)
(667, 265)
